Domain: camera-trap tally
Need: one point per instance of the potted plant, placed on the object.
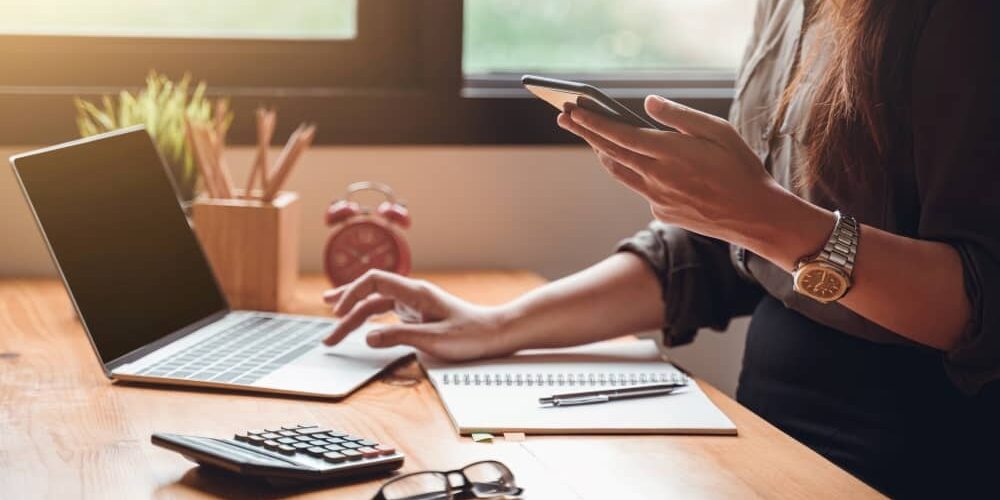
(162, 106)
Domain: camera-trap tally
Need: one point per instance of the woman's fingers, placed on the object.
(375, 304)
(688, 120)
(620, 154)
(647, 142)
(433, 339)
(332, 295)
(623, 174)
(422, 336)
(409, 291)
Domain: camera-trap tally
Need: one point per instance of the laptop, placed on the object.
(143, 289)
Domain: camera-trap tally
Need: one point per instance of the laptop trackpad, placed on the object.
(334, 371)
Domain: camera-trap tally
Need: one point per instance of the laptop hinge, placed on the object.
(162, 341)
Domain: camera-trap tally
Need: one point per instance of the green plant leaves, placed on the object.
(162, 106)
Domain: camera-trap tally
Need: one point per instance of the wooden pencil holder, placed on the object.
(253, 247)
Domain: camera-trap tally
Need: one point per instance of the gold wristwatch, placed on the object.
(826, 276)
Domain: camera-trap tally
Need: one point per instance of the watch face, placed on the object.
(820, 282)
(361, 246)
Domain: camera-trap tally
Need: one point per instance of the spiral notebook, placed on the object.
(501, 395)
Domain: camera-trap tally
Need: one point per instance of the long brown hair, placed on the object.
(863, 91)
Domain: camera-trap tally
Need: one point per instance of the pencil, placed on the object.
(265, 131)
(207, 179)
(219, 123)
(281, 160)
(225, 180)
(203, 139)
(297, 143)
(274, 177)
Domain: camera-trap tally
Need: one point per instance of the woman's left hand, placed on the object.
(702, 177)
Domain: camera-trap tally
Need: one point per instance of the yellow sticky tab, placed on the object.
(482, 437)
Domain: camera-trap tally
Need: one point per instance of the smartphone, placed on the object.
(559, 92)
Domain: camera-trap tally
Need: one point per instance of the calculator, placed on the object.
(288, 454)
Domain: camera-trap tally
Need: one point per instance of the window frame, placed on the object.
(383, 87)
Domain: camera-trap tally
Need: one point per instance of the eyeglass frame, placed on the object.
(464, 488)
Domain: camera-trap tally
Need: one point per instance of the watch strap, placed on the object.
(842, 248)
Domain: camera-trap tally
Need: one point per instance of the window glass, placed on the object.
(298, 19)
(604, 35)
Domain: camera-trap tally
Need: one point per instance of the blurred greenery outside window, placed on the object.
(638, 37)
(238, 19)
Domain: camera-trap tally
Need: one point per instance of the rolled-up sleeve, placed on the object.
(956, 127)
(700, 286)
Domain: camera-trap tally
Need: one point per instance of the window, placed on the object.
(368, 71)
(306, 19)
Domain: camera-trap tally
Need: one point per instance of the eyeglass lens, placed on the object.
(421, 486)
(489, 478)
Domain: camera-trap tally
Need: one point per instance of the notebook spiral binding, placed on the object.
(563, 379)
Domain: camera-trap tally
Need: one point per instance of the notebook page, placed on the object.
(502, 395)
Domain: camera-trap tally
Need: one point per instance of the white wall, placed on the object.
(552, 210)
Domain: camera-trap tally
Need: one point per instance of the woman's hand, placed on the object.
(433, 320)
(702, 177)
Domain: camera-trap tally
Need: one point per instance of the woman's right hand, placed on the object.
(431, 319)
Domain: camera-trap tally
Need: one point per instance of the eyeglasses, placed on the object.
(487, 479)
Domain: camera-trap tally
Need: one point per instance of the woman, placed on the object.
(876, 344)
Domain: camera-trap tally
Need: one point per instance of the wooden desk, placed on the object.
(67, 432)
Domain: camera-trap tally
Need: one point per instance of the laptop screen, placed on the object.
(114, 226)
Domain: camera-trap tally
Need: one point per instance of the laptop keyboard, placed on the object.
(244, 352)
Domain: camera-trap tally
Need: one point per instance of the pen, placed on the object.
(608, 395)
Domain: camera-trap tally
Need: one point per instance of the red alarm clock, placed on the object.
(363, 239)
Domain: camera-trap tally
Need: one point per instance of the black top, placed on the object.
(910, 420)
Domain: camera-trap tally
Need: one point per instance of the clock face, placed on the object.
(821, 283)
(364, 245)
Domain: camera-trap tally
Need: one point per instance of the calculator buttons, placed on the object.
(314, 441)
(313, 431)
